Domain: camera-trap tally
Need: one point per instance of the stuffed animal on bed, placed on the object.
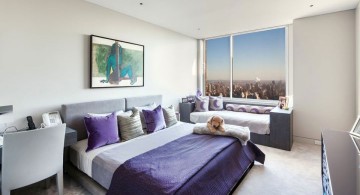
(216, 123)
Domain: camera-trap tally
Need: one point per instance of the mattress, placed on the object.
(257, 123)
(84, 161)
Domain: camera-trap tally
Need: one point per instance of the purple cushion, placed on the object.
(101, 130)
(154, 119)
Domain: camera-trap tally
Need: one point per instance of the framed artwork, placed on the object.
(115, 63)
(356, 127)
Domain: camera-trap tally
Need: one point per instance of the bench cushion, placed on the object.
(257, 123)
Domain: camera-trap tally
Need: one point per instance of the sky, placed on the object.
(256, 55)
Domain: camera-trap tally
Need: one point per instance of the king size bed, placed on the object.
(169, 161)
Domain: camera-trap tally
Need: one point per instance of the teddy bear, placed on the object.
(216, 123)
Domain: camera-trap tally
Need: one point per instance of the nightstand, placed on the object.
(281, 128)
(70, 137)
(185, 109)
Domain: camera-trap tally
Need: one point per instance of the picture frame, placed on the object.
(115, 63)
(355, 130)
(190, 99)
(184, 100)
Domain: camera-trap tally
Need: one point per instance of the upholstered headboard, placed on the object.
(73, 114)
(132, 102)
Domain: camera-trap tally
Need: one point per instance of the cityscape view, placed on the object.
(257, 66)
(256, 89)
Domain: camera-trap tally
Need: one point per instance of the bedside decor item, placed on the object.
(191, 98)
(356, 127)
(115, 63)
(283, 102)
(184, 100)
(30, 123)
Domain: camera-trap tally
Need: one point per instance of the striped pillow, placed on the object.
(170, 116)
(130, 125)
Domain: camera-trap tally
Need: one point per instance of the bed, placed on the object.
(170, 161)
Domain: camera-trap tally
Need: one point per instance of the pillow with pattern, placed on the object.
(202, 104)
(170, 116)
(216, 103)
(130, 125)
(248, 108)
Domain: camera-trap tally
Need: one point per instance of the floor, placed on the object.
(284, 172)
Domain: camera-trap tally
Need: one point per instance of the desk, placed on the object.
(70, 139)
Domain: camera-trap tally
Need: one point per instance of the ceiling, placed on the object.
(209, 18)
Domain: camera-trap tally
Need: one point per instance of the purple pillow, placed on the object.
(101, 130)
(154, 119)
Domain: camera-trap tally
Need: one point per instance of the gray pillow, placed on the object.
(147, 107)
(130, 125)
(170, 116)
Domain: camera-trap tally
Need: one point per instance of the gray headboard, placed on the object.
(142, 101)
(73, 114)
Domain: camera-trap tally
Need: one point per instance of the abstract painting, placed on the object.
(115, 63)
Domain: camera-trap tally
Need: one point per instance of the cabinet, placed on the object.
(185, 109)
(338, 163)
(281, 128)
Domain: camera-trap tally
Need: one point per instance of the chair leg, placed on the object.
(60, 182)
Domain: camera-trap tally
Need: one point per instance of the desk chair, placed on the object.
(32, 156)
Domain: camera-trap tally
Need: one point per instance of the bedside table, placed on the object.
(281, 128)
(185, 109)
(70, 137)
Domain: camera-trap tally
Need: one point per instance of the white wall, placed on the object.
(44, 56)
(357, 25)
(324, 74)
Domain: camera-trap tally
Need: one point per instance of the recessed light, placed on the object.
(311, 5)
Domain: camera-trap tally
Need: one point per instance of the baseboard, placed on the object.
(307, 140)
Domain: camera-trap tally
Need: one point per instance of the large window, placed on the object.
(218, 65)
(257, 69)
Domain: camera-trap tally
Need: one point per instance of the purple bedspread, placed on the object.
(193, 164)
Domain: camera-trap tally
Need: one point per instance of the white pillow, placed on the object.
(106, 114)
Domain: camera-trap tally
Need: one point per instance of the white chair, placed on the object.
(32, 156)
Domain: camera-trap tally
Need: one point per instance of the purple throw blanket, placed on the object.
(167, 169)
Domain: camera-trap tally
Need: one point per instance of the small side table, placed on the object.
(185, 109)
(281, 128)
(70, 137)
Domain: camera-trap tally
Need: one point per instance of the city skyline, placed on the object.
(258, 55)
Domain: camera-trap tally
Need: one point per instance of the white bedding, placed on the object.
(257, 123)
(134, 147)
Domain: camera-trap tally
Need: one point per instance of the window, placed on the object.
(218, 67)
(258, 65)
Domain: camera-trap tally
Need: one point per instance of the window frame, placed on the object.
(243, 100)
